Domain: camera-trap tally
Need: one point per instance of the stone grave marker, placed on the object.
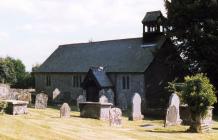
(65, 111)
(41, 101)
(80, 99)
(136, 108)
(103, 99)
(115, 117)
(172, 115)
(55, 94)
(4, 91)
(108, 93)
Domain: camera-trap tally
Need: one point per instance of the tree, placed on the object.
(193, 27)
(7, 71)
(199, 94)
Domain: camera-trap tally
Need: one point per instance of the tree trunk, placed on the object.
(196, 123)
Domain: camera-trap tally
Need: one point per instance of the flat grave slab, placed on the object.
(16, 107)
(95, 110)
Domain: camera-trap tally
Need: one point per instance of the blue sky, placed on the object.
(32, 29)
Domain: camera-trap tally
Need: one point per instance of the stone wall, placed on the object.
(123, 96)
(63, 82)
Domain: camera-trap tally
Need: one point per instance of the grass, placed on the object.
(46, 125)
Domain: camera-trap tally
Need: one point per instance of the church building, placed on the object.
(116, 68)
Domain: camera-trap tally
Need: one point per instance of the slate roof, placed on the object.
(125, 55)
(99, 76)
(153, 17)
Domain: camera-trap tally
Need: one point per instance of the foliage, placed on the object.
(3, 106)
(12, 71)
(198, 93)
(193, 27)
(7, 71)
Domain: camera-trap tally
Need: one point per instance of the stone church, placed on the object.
(116, 67)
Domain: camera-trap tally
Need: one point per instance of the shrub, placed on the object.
(198, 93)
(3, 106)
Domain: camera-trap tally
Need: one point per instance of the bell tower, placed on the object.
(153, 24)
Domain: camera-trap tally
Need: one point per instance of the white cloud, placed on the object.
(32, 29)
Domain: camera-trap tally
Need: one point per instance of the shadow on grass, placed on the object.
(166, 131)
(146, 125)
(57, 107)
(215, 128)
(215, 118)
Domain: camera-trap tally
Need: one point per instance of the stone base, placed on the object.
(136, 117)
(173, 123)
(95, 110)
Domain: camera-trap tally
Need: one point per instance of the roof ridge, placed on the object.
(65, 45)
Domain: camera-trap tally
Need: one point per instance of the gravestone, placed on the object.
(4, 91)
(207, 121)
(80, 99)
(136, 108)
(65, 111)
(24, 97)
(122, 101)
(41, 101)
(115, 117)
(55, 94)
(172, 115)
(103, 99)
(107, 93)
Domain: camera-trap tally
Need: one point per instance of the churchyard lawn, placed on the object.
(47, 124)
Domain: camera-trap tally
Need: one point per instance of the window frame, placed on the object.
(125, 82)
(48, 80)
(76, 80)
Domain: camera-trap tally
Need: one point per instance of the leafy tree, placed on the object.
(12, 71)
(193, 27)
(199, 94)
(7, 71)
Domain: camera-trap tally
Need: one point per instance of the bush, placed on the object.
(3, 106)
(198, 93)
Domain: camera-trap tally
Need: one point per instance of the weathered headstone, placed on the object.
(122, 104)
(207, 122)
(80, 99)
(55, 94)
(41, 101)
(107, 93)
(172, 115)
(115, 117)
(103, 99)
(4, 91)
(65, 111)
(24, 97)
(136, 108)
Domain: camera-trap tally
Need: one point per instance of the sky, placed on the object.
(30, 30)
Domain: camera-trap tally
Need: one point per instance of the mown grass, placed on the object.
(46, 125)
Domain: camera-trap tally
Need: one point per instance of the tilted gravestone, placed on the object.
(136, 108)
(80, 99)
(103, 99)
(55, 94)
(41, 101)
(172, 115)
(115, 117)
(65, 111)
